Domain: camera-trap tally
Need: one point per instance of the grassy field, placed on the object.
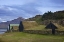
(39, 27)
(25, 37)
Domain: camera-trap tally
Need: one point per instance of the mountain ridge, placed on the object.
(14, 21)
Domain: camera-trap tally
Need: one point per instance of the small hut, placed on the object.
(13, 27)
(51, 26)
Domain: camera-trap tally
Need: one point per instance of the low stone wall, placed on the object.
(59, 32)
(40, 32)
(37, 32)
(43, 32)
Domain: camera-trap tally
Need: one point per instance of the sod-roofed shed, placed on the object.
(13, 27)
(51, 25)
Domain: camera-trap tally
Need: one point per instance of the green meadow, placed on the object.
(25, 37)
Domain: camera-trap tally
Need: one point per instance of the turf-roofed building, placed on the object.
(13, 27)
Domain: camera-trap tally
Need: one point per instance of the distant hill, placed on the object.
(56, 17)
(53, 15)
(15, 21)
(34, 18)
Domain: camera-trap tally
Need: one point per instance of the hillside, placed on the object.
(53, 15)
(56, 17)
(49, 16)
(34, 18)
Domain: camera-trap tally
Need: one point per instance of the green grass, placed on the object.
(39, 27)
(28, 24)
(25, 37)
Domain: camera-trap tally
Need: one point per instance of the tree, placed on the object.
(47, 15)
(21, 28)
(53, 15)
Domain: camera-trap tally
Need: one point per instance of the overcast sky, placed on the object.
(11, 9)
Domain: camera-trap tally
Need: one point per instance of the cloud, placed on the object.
(10, 9)
(15, 2)
(58, 2)
(2, 20)
(17, 11)
(53, 9)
